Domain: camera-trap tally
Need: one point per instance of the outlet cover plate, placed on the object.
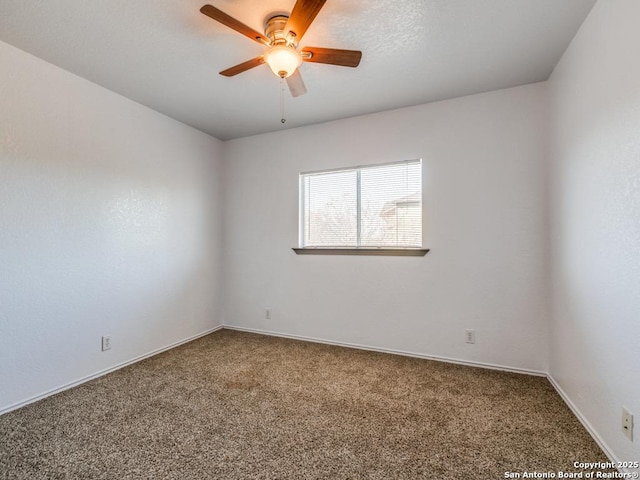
(470, 336)
(627, 423)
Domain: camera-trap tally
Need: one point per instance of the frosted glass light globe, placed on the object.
(283, 60)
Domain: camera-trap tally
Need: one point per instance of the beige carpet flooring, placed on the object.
(236, 405)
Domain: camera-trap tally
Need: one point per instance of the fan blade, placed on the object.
(304, 11)
(223, 18)
(296, 85)
(333, 56)
(243, 67)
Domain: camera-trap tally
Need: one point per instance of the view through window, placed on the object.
(373, 206)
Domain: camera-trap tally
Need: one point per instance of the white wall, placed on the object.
(485, 222)
(595, 98)
(109, 224)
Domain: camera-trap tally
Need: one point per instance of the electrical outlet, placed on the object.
(627, 423)
(267, 313)
(106, 343)
(470, 336)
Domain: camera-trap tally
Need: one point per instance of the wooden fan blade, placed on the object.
(223, 18)
(333, 56)
(243, 67)
(304, 11)
(296, 85)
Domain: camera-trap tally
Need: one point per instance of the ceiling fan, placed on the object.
(282, 35)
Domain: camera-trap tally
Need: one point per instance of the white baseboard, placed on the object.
(79, 381)
(585, 423)
(389, 350)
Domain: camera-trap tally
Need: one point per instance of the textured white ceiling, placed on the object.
(165, 54)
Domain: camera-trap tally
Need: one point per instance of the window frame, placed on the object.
(353, 250)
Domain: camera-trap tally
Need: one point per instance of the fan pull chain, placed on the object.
(282, 119)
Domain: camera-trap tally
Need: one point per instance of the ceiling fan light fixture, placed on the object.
(282, 60)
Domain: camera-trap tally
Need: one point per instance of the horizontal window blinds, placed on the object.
(377, 206)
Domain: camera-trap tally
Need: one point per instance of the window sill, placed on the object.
(393, 252)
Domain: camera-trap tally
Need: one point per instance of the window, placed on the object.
(372, 207)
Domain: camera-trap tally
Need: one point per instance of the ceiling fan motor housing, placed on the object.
(274, 30)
